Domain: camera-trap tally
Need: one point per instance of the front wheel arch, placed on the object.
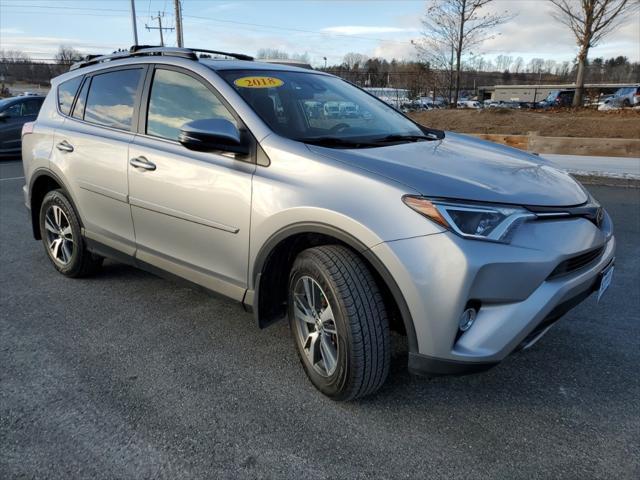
(276, 257)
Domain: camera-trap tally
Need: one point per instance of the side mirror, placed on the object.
(213, 134)
(4, 115)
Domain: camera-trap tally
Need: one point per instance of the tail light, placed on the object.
(27, 128)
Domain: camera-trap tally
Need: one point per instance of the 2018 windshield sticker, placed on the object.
(258, 82)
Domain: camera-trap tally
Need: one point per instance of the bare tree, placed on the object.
(354, 60)
(459, 25)
(590, 21)
(503, 62)
(67, 55)
(273, 54)
(517, 65)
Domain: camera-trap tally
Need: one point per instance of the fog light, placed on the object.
(466, 319)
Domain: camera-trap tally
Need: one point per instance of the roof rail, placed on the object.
(238, 56)
(148, 50)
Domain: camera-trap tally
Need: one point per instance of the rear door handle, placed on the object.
(64, 146)
(143, 163)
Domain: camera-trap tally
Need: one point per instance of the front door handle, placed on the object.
(143, 163)
(64, 146)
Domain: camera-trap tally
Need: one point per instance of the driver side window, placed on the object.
(14, 110)
(177, 98)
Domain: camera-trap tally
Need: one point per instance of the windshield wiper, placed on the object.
(403, 138)
(336, 142)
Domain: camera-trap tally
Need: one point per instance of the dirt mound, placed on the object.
(547, 123)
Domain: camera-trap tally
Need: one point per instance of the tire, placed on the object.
(351, 353)
(62, 237)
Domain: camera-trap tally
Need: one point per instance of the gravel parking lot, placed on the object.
(126, 375)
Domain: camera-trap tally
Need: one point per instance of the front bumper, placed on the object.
(440, 274)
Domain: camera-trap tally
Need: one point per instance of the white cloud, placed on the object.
(361, 30)
(534, 32)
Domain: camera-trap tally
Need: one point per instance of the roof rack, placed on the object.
(149, 50)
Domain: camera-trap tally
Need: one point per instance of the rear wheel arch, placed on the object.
(275, 260)
(42, 182)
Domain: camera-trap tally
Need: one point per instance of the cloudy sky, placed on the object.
(328, 28)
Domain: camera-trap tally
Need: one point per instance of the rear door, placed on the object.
(92, 150)
(191, 210)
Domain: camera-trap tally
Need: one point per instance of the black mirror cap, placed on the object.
(213, 134)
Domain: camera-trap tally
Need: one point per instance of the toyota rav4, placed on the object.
(352, 226)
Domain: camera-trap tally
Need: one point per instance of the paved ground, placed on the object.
(126, 375)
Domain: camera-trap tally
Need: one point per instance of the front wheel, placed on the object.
(339, 322)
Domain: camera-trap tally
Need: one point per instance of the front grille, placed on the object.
(577, 262)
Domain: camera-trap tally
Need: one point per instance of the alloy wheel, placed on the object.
(316, 325)
(59, 235)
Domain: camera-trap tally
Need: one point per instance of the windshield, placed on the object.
(321, 109)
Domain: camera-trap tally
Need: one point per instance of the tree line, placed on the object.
(18, 66)
(453, 28)
(422, 78)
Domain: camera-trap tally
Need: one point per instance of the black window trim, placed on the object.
(146, 96)
(85, 81)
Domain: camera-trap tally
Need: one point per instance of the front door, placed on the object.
(191, 210)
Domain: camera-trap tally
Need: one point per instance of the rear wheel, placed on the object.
(62, 237)
(339, 322)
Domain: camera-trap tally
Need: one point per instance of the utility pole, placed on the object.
(133, 21)
(160, 28)
(179, 36)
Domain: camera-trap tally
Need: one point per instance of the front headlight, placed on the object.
(492, 223)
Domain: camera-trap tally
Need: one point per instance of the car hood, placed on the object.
(465, 168)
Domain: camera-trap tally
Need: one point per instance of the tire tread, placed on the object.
(366, 316)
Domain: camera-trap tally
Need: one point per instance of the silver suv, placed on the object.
(230, 174)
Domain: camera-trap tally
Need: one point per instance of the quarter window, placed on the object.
(177, 98)
(111, 98)
(66, 93)
(78, 110)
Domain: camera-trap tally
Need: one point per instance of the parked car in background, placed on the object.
(349, 110)
(558, 98)
(502, 104)
(626, 97)
(14, 113)
(346, 227)
(469, 104)
(332, 109)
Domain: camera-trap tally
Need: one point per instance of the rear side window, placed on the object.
(66, 93)
(111, 98)
(177, 98)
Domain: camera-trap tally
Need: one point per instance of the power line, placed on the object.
(219, 20)
(160, 28)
